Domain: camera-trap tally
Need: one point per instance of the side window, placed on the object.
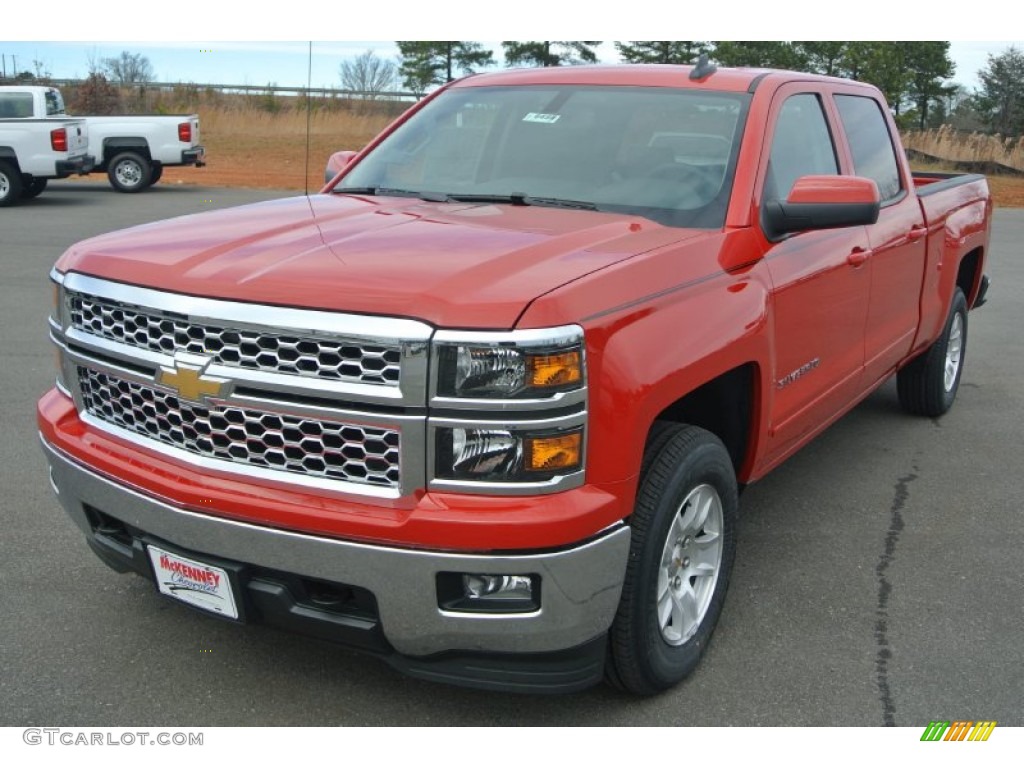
(54, 103)
(801, 146)
(870, 143)
(15, 104)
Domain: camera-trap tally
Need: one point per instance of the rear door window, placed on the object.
(54, 103)
(870, 143)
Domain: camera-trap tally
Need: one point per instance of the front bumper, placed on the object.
(580, 586)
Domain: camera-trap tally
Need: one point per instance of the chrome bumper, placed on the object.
(580, 585)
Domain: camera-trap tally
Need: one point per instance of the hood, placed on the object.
(451, 265)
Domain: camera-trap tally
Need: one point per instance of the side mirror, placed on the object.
(336, 162)
(822, 202)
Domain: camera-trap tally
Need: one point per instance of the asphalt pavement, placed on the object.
(878, 579)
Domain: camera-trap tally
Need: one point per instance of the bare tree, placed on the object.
(128, 68)
(94, 96)
(369, 74)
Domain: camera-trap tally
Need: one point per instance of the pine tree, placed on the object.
(759, 53)
(427, 63)
(549, 53)
(660, 51)
(1001, 98)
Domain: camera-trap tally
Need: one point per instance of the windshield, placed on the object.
(662, 153)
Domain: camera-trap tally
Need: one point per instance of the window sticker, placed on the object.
(540, 117)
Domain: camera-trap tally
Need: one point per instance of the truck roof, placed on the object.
(657, 75)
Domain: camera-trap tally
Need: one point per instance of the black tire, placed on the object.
(158, 171)
(687, 470)
(10, 185)
(33, 189)
(927, 386)
(129, 172)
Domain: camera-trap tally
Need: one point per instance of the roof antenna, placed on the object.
(703, 68)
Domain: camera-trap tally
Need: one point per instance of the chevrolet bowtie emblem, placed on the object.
(186, 378)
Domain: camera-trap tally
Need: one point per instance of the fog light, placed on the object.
(488, 592)
(479, 585)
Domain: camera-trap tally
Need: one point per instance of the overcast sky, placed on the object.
(245, 54)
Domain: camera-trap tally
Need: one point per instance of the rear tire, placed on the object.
(33, 189)
(927, 386)
(681, 553)
(10, 185)
(129, 172)
(158, 171)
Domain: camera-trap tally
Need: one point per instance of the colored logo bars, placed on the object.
(959, 730)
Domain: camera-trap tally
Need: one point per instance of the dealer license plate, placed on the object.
(193, 582)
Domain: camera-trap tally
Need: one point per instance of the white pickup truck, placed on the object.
(35, 150)
(131, 149)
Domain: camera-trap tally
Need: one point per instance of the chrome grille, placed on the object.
(308, 446)
(261, 350)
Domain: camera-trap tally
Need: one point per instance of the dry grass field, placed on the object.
(255, 148)
(968, 147)
(248, 146)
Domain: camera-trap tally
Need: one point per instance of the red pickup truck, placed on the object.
(484, 406)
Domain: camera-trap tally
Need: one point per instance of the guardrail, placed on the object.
(284, 90)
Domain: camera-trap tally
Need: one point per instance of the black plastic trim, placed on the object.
(80, 165)
(119, 143)
(781, 218)
(568, 671)
(948, 181)
(982, 293)
(192, 156)
(757, 81)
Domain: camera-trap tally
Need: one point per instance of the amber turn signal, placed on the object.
(555, 370)
(556, 452)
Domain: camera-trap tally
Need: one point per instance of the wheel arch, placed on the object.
(968, 275)
(727, 406)
(114, 145)
(8, 155)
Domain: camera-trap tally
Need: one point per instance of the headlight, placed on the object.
(508, 455)
(508, 411)
(514, 365)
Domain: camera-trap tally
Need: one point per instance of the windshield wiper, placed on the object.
(515, 198)
(518, 198)
(431, 197)
(557, 202)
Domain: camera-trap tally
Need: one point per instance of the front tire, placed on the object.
(10, 185)
(927, 386)
(682, 550)
(129, 172)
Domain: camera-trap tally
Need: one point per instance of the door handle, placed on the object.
(857, 257)
(916, 233)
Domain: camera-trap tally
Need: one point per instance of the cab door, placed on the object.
(898, 239)
(821, 280)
